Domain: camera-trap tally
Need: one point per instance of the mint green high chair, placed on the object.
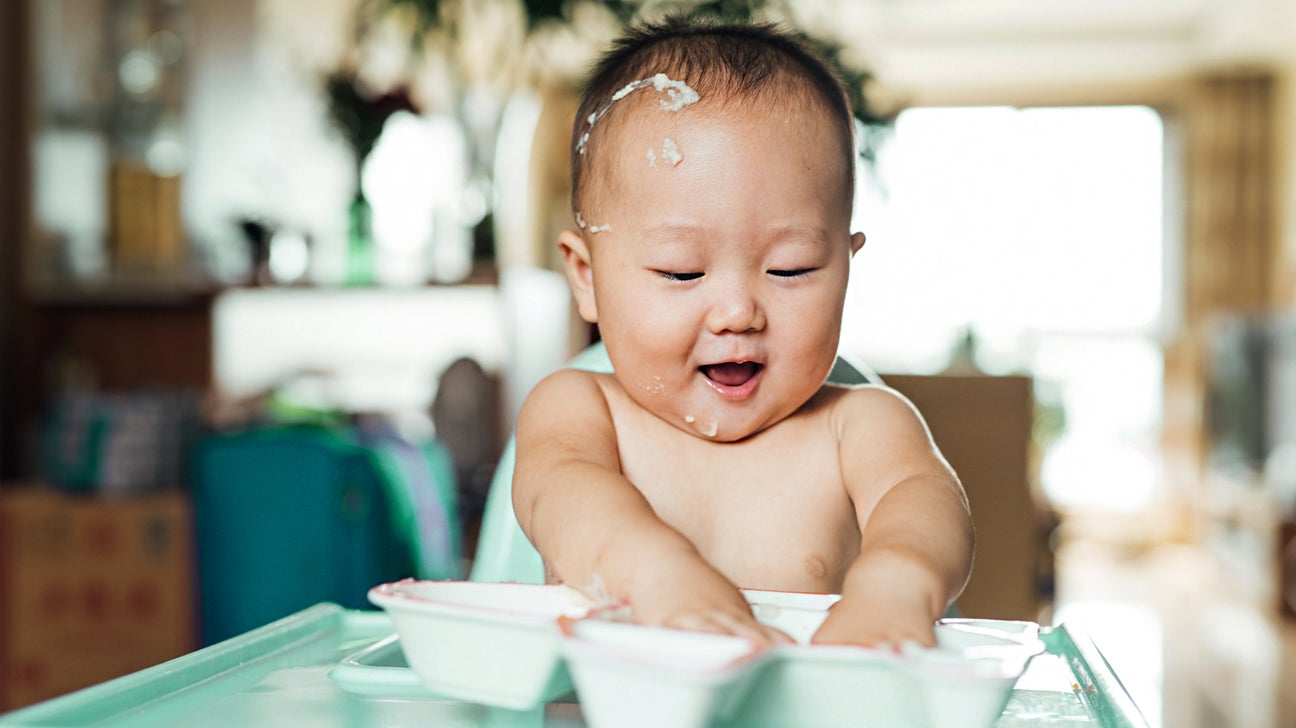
(503, 551)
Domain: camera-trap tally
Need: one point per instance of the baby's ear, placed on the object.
(857, 242)
(580, 274)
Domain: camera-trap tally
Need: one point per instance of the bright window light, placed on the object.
(1040, 232)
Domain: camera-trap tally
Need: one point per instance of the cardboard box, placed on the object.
(90, 589)
(982, 424)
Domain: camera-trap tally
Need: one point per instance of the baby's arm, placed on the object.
(596, 531)
(916, 530)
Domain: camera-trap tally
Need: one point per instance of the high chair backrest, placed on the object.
(503, 551)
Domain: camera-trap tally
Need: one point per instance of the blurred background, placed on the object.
(276, 275)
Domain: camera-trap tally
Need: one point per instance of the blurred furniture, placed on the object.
(982, 424)
(90, 588)
(287, 517)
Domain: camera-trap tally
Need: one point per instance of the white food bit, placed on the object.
(710, 430)
(652, 158)
(671, 152)
(580, 222)
(627, 89)
(656, 388)
(597, 591)
(678, 93)
(688, 419)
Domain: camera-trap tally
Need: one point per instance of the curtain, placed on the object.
(1232, 258)
(1232, 251)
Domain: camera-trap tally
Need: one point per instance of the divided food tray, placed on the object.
(517, 646)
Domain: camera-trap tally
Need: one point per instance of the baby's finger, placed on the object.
(709, 623)
(761, 634)
(721, 623)
(776, 636)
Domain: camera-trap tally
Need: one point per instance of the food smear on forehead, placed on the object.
(671, 152)
(652, 158)
(580, 223)
(678, 95)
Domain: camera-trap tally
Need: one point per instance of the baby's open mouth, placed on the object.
(731, 373)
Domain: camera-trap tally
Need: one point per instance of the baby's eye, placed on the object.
(792, 273)
(678, 276)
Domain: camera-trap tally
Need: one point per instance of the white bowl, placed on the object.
(488, 643)
(630, 675)
(634, 676)
(964, 682)
(797, 614)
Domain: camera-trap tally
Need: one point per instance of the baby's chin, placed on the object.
(712, 429)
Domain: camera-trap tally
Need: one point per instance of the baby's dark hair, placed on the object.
(725, 60)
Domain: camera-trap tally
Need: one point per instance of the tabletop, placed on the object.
(329, 666)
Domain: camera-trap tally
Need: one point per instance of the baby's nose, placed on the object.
(736, 311)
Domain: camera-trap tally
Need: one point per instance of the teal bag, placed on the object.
(290, 516)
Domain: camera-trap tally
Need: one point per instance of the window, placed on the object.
(1038, 233)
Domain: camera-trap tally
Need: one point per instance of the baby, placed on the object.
(712, 183)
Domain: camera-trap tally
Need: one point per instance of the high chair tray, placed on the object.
(279, 675)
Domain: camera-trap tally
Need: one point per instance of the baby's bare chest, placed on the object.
(770, 512)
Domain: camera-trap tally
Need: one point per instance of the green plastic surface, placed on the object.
(278, 675)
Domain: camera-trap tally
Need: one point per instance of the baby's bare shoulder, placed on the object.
(567, 394)
(564, 383)
(566, 415)
(871, 411)
(865, 401)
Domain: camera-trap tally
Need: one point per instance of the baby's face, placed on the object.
(720, 261)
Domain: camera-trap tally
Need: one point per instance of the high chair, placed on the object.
(503, 551)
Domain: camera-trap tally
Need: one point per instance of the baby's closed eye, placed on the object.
(791, 272)
(681, 277)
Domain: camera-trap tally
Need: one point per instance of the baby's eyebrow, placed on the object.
(682, 232)
(812, 234)
(674, 233)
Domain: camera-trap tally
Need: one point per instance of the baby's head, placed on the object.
(712, 179)
(731, 68)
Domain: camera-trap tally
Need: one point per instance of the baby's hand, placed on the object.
(877, 620)
(690, 594)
